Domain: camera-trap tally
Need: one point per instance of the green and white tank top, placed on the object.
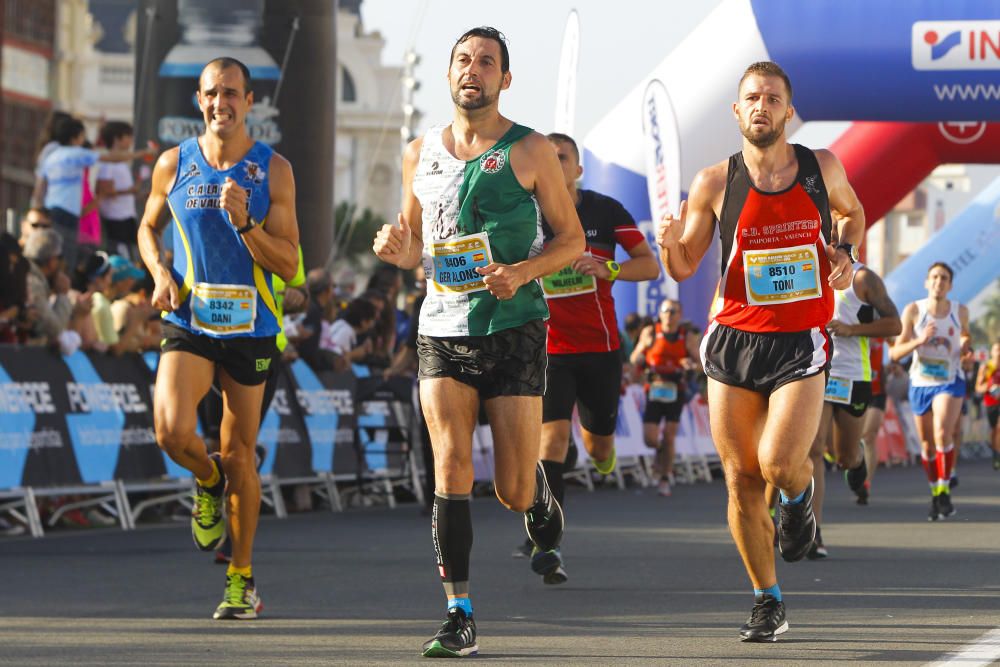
(474, 212)
(851, 354)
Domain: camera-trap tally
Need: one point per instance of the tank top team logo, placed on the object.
(492, 162)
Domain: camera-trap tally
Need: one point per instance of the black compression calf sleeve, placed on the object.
(451, 526)
(554, 474)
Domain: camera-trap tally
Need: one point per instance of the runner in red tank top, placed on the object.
(988, 384)
(766, 352)
(875, 414)
(585, 362)
(666, 350)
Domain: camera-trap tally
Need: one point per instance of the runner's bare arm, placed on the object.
(692, 362)
(907, 341)
(275, 245)
(641, 265)
(638, 356)
(402, 244)
(154, 219)
(870, 289)
(684, 240)
(982, 380)
(848, 217)
(536, 167)
(966, 338)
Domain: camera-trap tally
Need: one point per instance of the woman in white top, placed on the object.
(936, 332)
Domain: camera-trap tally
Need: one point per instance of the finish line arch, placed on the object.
(913, 73)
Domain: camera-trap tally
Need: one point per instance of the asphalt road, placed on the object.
(653, 581)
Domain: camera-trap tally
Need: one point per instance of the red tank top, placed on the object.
(775, 269)
(664, 356)
(875, 353)
(992, 396)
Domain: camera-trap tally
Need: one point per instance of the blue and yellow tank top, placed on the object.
(223, 292)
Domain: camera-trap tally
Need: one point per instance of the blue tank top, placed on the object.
(223, 292)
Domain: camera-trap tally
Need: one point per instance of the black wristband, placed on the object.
(251, 223)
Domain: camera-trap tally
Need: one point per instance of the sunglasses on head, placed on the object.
(669, 310)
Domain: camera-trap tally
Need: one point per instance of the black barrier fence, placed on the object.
(69, 423)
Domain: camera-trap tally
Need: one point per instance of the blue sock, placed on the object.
(785, 500)
(773, 591)
(464, 603)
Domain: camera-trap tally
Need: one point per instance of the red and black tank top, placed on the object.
(665, 354)
(774, 267)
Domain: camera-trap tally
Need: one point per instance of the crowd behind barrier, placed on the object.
(81, 425)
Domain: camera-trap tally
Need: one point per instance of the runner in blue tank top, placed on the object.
(219, 308)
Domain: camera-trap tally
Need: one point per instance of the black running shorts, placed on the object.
(858, 402)
(246, 359)
(993, 415)
(506, 363)
(590, 380)
(657, 410)
(763, 362)
(877, 402)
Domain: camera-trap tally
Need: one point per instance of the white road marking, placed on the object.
(981, 652)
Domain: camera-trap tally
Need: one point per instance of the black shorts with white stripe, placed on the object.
(763, 362)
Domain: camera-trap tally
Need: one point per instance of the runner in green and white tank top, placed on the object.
(475, 212)
(861, 311)
(479, 187)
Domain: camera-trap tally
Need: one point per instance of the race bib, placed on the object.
(838, 390)
(567, 282)
(783, 275)
(663, 392)
(935, 369)
(223, 309)
(454, 263)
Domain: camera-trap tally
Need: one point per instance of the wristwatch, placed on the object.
(851, 251)
(614, 267)
(251, 223)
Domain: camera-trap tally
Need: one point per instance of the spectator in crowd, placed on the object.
(135, 319)
(59, 183)
(383, 334)
(97, 274)
(48, 287)
(35, 218)
(322, 297)
(116, 190)
(46, 140)
(345, 284)
(342, 336)
(388, 279)
(13, 291)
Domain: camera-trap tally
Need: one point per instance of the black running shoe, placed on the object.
(855, 477)
(862, 494)
(523, 550)
(817, 551)
(549, 564)
(945, 507)
(796, 527)
(455, 639)
(766, 622)
(935, 512)
(544, 520)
